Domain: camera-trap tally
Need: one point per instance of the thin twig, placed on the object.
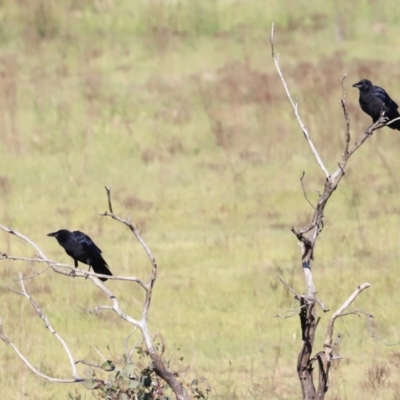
(126, 340)
(127, 222)
(297, 297)
(304, 190)
(76, 378)
(295, 107)
(346, 116)
(322, 305)
(101, 355)
(76, 271)
(108, 190)
(340, 313)
(290, 313)
(26, 239)
(373, 335)
(158, 364)
(115, 305)
(89, 363)
(47, 324)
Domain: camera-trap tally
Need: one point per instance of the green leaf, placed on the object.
(128, 370)
(108, 366)
(89, 372)
(123, 396)
(194, 382)
(71, 396)
(123, 383)
(90, 384)
(134, 384)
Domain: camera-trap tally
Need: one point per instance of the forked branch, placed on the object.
(325, 358)
(141, 323)
(307, 237)
(44, 318)
(159, 367)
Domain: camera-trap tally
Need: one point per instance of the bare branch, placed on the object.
(357, 312)
(33, 275)
(47, 324)
(295, 107)
(4, 256)
(304, 190)
(101, 355)
(128, 353)
(26, 239)
(346, 117)
(290, 313)
(76, 378)
(108, 190)
(322, 305)
(33, 369)
(352, 297)
(94, 310)
(340, 313)
(296, 296)
(153, 277)
(76, 272)
(115, 304)
(158, 364)
(89, 363)
(307, 240)
(374, 336)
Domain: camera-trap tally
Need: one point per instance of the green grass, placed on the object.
(177, 106)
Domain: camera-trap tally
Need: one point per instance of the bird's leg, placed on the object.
(90, 266)
(72, 273)
(369, 131)
(378, 124)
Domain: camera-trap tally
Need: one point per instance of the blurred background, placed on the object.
(177, 106)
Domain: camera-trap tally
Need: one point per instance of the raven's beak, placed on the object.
(54, 234)
(357, 85)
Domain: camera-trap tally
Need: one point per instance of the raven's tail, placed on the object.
(395, 124)
(100, 267)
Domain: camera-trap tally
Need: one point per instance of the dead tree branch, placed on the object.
(307, 238)
(58, 267)
(158, 364)
(325, 364)
(295, 107)
(44, 318)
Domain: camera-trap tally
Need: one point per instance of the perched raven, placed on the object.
(81, 248)
(373, 100)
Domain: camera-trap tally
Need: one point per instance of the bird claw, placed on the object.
(368, 132)
(72, 273)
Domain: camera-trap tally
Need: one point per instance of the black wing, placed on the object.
(382, 95)
(87, 244)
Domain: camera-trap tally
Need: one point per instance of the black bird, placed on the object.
(81, 248)
(373, 100)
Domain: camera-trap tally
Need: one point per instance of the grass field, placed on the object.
(177, 106)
